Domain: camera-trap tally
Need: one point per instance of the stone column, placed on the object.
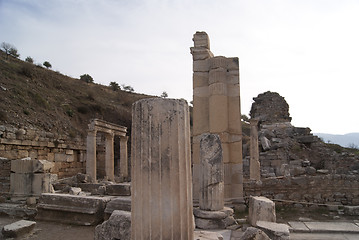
(254, 165)
(211, 180)
(91, 154)
(109, 157)
(123, 158)
(161, 170)
(216, 109)
(201, 54)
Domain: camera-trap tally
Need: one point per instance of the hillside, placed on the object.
(346, 140)
(31, 95)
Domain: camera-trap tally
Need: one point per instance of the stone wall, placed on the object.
(270, 107)
(67, 153)
(320, 189)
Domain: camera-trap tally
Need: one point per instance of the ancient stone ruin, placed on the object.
(294, 164)
(111, 130)
(211, 213)
(161, 170)
(281, 164)
(216, 109)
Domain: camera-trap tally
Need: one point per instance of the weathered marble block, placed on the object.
(73, 209)
(261, 209)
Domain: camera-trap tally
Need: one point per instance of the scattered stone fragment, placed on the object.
(254, 234)
(351, 210)
(74, 191)
(205, 235)
(118, 226)
(18, 228)
(261, 209)
(275, 231)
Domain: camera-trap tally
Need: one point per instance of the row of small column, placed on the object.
(109, 156)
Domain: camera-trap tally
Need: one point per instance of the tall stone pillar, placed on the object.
(211, 180)
(109, 157)
(123, 158)
(91, 154)
(161, 170)
(254, 165)
(216, 109)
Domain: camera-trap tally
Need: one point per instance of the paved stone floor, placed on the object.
(339, 230)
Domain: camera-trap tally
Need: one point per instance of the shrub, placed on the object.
(127, 88)
(114, 86)
(164, 94)
(47, 64)
(29, 60)
(86, 78)
(27, 70)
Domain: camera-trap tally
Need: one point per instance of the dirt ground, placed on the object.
(53, 230)
(58, 231)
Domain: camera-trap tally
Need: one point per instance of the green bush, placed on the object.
(29, 60)
(47, 64)
(86, 78)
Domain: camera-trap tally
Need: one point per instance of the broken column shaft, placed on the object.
(161, 170)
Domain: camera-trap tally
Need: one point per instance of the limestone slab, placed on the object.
(119, 203)
(276, 231)
(332, 227)
(121, 189)
(298, 227)
(73, 209)
(17, 229)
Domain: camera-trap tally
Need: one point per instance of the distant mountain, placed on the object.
(346, 140)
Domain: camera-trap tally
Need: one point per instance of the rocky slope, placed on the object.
(33, 96)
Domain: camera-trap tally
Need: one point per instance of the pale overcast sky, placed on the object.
(306, 50)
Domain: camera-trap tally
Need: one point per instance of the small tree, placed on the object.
(13, 52)
(47, 64)
(114, 86)
(86, 78)
(164, 94)
(9, 50)
(29, 59)
(127, 88)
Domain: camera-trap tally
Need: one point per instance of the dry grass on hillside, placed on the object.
(31, 95)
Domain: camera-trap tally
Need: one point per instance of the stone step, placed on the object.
(72, 209)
